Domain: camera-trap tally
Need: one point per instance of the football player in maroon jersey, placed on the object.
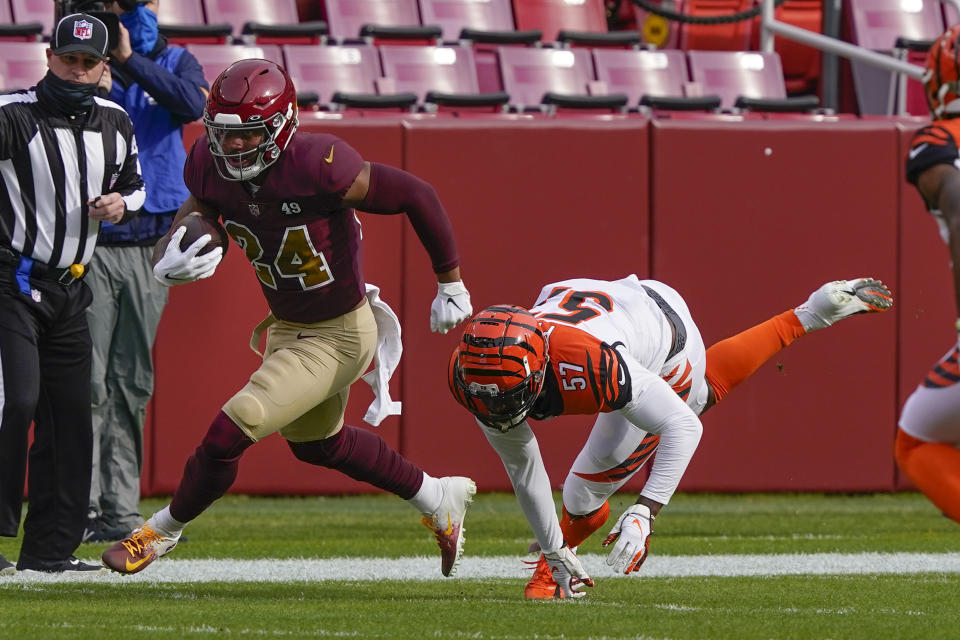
(288, 201)
(928, 437)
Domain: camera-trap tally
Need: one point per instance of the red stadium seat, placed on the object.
(447, 69)
(22, 32)
(33, 11)
(22, 64)
(638, 73)
(530, 73)
(443, 78)
(182, 22)
(553, 16)
(214, 58)
(347, 17)
(455, 15)
(326, 70)
(876, 25)
(731, 74)
(732, 36)
(276, 21)
(801, 64)
(181, 12)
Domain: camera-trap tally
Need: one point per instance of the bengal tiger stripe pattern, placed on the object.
(497, 370)
(945, 373)
(629, 466)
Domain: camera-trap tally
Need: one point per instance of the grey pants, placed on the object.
(126, 309)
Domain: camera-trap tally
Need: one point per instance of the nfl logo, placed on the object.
(35, 295)
(254, 210)
(82, 30)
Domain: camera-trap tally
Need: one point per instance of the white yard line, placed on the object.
(428, 568)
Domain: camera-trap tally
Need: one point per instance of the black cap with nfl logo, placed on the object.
(80, 33)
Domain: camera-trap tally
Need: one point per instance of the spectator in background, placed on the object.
(928, 437)
(70, 163)
(162, 87)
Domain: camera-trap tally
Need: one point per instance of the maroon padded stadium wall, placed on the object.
(744, 219)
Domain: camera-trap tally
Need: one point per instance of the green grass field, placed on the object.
(883, 605)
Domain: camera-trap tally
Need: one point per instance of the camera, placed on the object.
(97, 9)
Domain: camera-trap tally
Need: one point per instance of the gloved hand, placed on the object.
(568, 573)
(450, 307)
(632, 534)
(179, 267)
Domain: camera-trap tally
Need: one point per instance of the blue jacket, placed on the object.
(161, 92)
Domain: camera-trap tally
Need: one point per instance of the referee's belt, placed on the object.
(29, 268)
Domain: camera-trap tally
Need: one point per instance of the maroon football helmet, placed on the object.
(250, 99)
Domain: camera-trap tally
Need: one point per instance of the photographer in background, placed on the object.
(162, 87)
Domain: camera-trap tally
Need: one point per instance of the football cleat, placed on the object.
(447, 521)
(841, 299)
(28, 563)
(6, 567)
(139, 549)
(542, 586)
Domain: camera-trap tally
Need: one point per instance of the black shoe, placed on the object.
(98, 531)
(6, 567)
(26, 563)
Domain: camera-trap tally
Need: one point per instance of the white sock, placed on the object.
(165, 524)
(428, 498)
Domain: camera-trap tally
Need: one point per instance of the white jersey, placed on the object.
(628, 352)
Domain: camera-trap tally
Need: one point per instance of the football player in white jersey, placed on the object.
(629, 352)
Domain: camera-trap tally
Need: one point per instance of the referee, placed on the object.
(68, 161)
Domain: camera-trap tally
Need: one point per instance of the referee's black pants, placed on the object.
(45, 356)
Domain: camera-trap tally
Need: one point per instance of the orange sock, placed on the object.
(731, 361)
(935, 468)
(577, 529)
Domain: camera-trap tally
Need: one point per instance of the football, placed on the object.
(197, 225)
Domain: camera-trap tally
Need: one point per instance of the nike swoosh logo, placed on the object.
(169, 277)
(133, 566)
(637, 522)
(301, 336)
(622, 377)
(329, 158)
(454, 303)
(916, 150)
(449, 526)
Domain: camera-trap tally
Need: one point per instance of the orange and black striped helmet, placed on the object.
(942, 75)
(497, 370)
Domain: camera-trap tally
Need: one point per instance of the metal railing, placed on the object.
(771, 27)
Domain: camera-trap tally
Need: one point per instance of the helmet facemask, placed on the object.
(505, 409)
(499, 368)
(245, 165)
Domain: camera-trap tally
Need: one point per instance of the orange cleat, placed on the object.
(542, 585)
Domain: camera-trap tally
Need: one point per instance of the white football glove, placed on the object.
(179, 267)
(567, 572)
(632, 534)
(450, 307)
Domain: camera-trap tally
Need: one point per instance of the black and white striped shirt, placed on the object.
(50, 168)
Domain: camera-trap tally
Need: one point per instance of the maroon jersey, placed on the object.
(303, 243)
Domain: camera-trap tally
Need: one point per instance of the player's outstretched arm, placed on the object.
(383, 189)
